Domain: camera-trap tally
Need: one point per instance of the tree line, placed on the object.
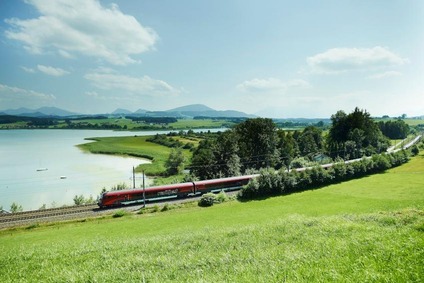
(258, 143)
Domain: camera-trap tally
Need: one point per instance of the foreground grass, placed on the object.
(366, 230)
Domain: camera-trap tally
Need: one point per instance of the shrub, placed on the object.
(120, 187)
(221, 197)
(415, 150)
(166, 207)
(207, 200)
(381, 162)
(299, 162)
(251, 190)
(120, 213)
(79, 199)
(270, 183)
(16, 208)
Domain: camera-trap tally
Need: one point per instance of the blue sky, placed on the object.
(270, 58)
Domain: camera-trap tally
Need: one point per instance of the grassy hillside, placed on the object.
(366, 230)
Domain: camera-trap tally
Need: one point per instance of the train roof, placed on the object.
(228, 179)
(150, 189)
(180, 185)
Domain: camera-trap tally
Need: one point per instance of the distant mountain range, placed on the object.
(187, 111)
(39, 112)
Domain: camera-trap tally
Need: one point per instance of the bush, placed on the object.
(270, 183)
(207, 200)
(250, 191)
(16, 208)
(166, 207)
(120, 213)
(221, 197)
(415, 150)
(79, 199)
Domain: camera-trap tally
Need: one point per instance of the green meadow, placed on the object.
(137, 146)
(365, 230)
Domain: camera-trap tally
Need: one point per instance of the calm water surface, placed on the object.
(69, 171)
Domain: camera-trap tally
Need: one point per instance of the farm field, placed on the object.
(369, 229)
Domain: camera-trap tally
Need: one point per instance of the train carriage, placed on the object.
(125, 197)
(224, 184)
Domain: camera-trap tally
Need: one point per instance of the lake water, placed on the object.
(69, 171)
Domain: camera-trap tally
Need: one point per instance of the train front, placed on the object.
(100, 201)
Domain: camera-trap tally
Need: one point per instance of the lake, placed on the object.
(45, 167)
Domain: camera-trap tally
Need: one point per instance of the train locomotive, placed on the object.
(182, 190)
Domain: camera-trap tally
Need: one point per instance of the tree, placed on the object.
(287, 148)
(175, 162)
(217, 157)
(225, 151)
(354, 134)
(310, 141)
(203, 161)
(257, 140)
(394, 129)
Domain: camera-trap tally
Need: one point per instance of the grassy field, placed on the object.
(134, 146)
(365, 230)
(124, 124)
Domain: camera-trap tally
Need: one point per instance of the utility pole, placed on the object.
(133, 178)
(144, 192)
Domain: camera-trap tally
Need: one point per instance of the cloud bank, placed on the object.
(9, 95)
(134, 85)
(82, 27)
(339, 60)
(51, 71)
(270, 85)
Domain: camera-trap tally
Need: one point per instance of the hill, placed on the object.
(39, 112)
(191, 108)
(120, 111)
(196, 110)
(188, 111)
(369, 229)
(191, 111)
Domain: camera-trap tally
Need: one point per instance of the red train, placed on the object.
(125, 197)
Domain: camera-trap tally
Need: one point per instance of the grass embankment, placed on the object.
(137, 146)
(365, 230)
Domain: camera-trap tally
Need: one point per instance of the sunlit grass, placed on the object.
(365, 230)
(134, 146)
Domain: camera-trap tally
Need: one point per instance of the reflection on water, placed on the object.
(44, 167)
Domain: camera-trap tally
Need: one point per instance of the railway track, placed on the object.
(32, 217)
(46, 215)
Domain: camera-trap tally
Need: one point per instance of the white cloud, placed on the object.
(82, 27)
(270, 85)
(338, 60)
(17, 97)
(28, 70)
(51, 71)
(387, 74)
(134, 85)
